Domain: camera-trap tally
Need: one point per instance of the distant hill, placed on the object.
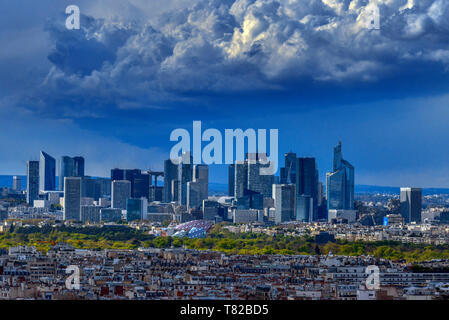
(395, 190)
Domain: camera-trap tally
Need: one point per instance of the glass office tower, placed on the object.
(411, 204)
(70, 167)
(47, 172)
(32, 181)
(340, 183)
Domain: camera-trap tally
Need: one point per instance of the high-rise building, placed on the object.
(70, 167)
(136, 209)
(17, 183)
(140, 185)
(175, 190)
(284, 196)
(32, 181)
(140, 182)
(90, 188)
(241, 178)
(105, 186)
(66, 169)
(411, 204)
(210, 209)
(307, 182)
(47, 172)
(257, 181)
(320, 193)
(250, 200)
(156, 194)
(304, 208)
(78, 166)
(201, 175)
(185, 174)
(231, 180)
(170, 174)
(248, 176)
(121, 191)
(72, 198)
(322, 205)
(194, 194)
(340, 183)
(288, 173)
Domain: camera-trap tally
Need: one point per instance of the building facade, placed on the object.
(284, 196)
(121, 191)
(72, 198)
(340, 183)
(32, 181)
(70, 167)
(47, 172)
(411, 204)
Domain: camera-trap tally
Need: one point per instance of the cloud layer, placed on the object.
(234, 46)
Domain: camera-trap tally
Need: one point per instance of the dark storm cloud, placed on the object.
(243, 45)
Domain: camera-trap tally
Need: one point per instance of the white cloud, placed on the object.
(215, 46)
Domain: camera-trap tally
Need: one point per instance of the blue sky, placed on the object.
(136, 70)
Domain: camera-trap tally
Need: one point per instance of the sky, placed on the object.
(115, 89)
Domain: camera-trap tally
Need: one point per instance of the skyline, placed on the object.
(114, 90)
(278, 173)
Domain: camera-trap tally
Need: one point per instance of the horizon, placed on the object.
(160, 183)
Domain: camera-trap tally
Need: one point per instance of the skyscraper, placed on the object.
(32, 181)
(185, 174)
(411, 204)
(170, 174)
(90, 187)
(340, 183)
(256, 181)
(121, 191)
(288, 174)
(247, 176)
(140, 182)
(79, 166)
(307, 182)
(201, 175)
(304, 208)
(66, 169)
(284, 196)
(70, 167)
(231, 180)
(47, 172)
(175, 190)
(250, 200)
(156, 193)
(17, 183)
(72, 198)
(241, 178)
(322, 205)
(193, 194)
(117, 174)
(140, 185)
